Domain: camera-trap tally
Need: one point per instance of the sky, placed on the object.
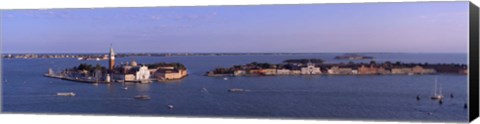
(423, 27)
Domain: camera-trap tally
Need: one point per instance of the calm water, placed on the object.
(393, 97)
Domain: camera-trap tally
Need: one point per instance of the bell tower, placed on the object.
(111, 59)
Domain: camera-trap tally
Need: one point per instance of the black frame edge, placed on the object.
(474, 68)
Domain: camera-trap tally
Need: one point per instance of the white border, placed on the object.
(76, 119)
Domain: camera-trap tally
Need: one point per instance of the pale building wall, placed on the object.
(283, 72)
(143, 73)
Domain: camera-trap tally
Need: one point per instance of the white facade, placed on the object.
(143, 73)
(239, 72)
(311, 69)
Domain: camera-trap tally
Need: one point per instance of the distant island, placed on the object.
(353, 57)
(317, 67)
(129, 72)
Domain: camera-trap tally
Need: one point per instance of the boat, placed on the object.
(170, 106)
(204, 90)
(125, 88)
(437, 95)
(225, 78)
(142, 97)
(66, 94)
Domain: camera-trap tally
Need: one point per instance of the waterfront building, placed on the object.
(417, 70)
(268, 71)
(132, 72)
(125, 69)
(338, 70)
(346, 71)
(283, 71)
(367, 70)
(254, 71)
(310, 69)
(239, 72)
(295, 72)
(170, 74)
(402, 71)
(124, 77)
(141, 73)
(420, 70)
(354, 71)
(382, 70)
(429, 71)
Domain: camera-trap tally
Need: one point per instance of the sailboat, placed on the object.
(437, 95)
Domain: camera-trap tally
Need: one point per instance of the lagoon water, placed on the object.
(389, 97)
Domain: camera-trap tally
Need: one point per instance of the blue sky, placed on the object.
(424, 27)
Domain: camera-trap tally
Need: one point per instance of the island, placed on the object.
(353, 57)
(134, 73)
(129, 72)
(317, 67)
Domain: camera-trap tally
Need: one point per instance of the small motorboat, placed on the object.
(204, 90)
(142, 97)
(125, 88)
(225, 78)
(437, 97)
(66, 94)
(170, 106)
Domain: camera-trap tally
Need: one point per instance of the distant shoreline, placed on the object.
(101, 56)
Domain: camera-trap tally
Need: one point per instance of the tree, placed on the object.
(373, 63)
(351, 63)
(398, 63)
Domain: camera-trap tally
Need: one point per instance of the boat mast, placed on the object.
(440, 92)
(435, 88)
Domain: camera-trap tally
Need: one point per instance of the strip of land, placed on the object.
(317, 67)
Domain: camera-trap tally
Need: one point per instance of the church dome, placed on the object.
(134, 63)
